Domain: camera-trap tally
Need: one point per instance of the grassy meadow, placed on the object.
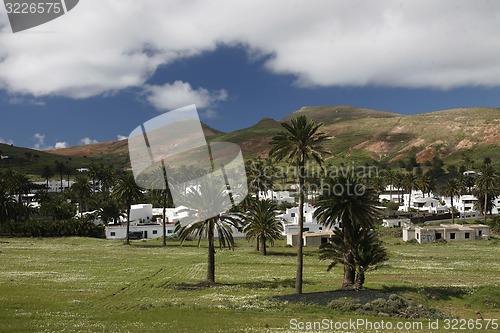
(95, 285)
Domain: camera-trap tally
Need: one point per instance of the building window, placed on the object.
(170, 231)
(480, 233)
(438, 235)
(112, 234)
(467, 235)
(155, 232)
(293, 214)
(418, 236)
(452, 235)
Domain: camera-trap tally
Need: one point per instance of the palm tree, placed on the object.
(7, 203)
(452, 189)
(398, 182)
(487, 185)
(298, 142)
(409, 183)
(47, 173)
(390, 179)
(262, 224)
(345, 200)
(94, 171)
(424, 183)
(206, 208)
(82, 190)
(109, 212)
(258, 176)
(19, 184)
(60, 168)
(366, 248)
(160, 187)
(127, 191)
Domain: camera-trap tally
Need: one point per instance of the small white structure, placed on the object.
(54, 186)
(290, 221)
(396, 223)
(277, 196)
(139, 231)
(141, 213)
(310, 239)
(448, 232)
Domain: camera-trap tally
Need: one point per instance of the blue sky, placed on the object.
(107, 84)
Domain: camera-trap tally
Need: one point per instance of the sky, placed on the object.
(99, 71)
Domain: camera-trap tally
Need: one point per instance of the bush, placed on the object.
(392, 206)
(53, 228)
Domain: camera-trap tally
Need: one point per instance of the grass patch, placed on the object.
(91, 285)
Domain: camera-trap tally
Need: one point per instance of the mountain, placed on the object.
(358, 135)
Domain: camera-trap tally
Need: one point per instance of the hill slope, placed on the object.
(358, 135)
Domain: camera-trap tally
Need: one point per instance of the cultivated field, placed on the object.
(91, 285)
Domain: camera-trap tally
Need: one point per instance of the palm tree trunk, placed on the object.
(360, 279)
(263, 249)
(485, 203)
(300, 245)
(164, 218)
(127, 237)
(211, 255)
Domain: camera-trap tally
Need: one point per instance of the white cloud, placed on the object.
(87, 141)
(39, 141)
(8, 142)
(179, 94)
(62, 144)
(121, 137)
(440, 44)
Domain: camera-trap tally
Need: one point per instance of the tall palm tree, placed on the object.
(206, 208)
(7, 203)
(160, 187)
(127, 191)
(424, 183)
(47, 173)
(109, 212)
(409, 183)
(82, 190)
(346, 200)
(258, 176)
(262, 224)
(487, 184)
(452, 189)
(390, 179)
(60, 168)
(398, 182)
(299, 141)
(94, 171)
(19, 184)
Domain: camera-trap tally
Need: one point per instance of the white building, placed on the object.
(277, 196)
(290, 220)
(448, 232)
(54, 186)
(396, 223)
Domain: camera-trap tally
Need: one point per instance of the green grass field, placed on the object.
(93, 285)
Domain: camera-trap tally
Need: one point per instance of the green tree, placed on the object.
(409, 183)
(60, 168)
(487, 185)
(47, 173)
(299, 142)
(390, 179)
(424, 182)
(262, 224)
(127, 191)
(209, 200)
(452, 189)
(348, 201)
(367, 251)
(82, 190)
(110, 212)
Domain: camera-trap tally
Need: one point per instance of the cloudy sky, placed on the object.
(107, 66)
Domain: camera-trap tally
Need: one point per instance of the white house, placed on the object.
(396, 223)
(310, 239)
(55, 185)
(277, 196)
(139, 231)
(448, 232)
